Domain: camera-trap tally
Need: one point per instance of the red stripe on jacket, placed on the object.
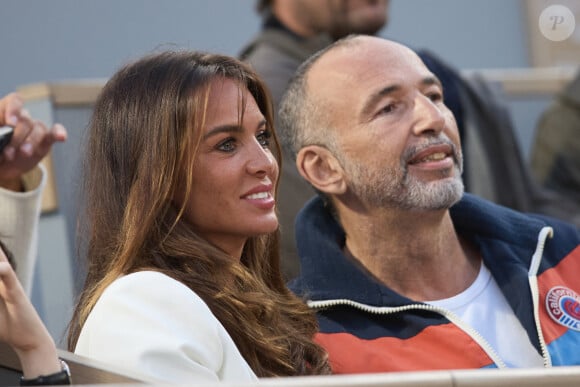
(435, 348)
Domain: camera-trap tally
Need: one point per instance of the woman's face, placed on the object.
(235, 173)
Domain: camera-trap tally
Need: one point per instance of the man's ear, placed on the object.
(320, 168)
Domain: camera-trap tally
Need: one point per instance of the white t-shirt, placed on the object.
(484, 307)
(153, 325)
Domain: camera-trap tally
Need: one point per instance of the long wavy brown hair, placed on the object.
(142, 145)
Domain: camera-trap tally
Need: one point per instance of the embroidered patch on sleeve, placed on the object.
(563, 306)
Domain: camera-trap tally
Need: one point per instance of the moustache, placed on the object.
(411, 151)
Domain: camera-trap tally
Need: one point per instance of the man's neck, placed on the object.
(418, 255)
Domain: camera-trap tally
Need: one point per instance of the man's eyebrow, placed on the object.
(376, 97)
(427, 81)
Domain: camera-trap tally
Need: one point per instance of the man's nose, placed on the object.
(429, 116)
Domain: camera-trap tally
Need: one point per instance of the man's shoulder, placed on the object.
(266, 42)
(271, 43)
(476, 215)
(267, 59)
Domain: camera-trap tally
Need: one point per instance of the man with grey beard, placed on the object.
(405, 271)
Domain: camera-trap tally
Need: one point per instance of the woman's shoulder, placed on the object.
(148, 320)
(155, 303)
(147, 279)
(150, 287)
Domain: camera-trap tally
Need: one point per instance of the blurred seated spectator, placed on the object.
(556, 151)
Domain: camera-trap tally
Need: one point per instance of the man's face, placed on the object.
(396, 140)
(342, 17)
(357, 17)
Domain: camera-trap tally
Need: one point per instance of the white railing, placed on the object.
(527, 81)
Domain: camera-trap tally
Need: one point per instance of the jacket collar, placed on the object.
(328, 274)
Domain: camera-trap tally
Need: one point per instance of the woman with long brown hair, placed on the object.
(183, 280)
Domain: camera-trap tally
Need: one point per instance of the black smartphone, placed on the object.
(5, 136)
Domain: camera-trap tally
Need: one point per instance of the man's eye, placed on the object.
(435, 97)
(388, 108)
(264, 138)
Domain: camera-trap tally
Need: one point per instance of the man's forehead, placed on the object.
(366, 57)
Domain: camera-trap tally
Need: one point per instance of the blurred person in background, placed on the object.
(292, 30)
(556, 151)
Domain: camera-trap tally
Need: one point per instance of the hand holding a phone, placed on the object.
(31, 140)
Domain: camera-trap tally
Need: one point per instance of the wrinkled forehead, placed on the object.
(365, 64)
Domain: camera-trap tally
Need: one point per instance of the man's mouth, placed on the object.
(432, 153)
(432, 157)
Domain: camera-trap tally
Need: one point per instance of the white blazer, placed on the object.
(149, 323)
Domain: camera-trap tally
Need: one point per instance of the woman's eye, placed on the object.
(227, 145)
(264, 138)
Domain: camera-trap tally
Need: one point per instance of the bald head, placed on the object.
(324, 85)
(353, 54)
(357, 63)
(369, 127)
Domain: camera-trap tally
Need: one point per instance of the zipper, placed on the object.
(385, 310)
(545, 233)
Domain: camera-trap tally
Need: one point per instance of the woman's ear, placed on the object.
(320, 168)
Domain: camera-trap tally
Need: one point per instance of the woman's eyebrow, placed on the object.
(230, 128)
